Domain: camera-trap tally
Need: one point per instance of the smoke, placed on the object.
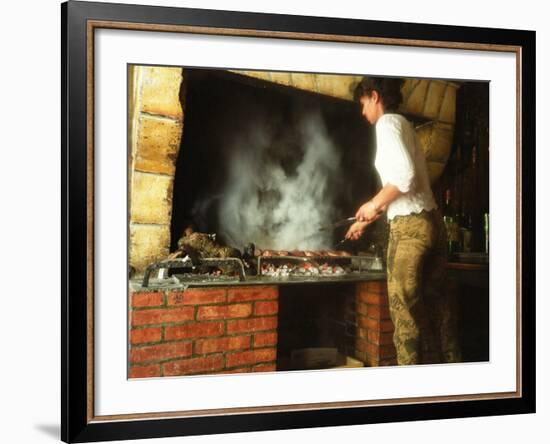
(272, 204)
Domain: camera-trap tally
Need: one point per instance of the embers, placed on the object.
(273, 268)
(303, 267)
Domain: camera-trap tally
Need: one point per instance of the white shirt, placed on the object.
(400, 161)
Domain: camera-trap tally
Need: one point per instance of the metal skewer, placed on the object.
(340, 223)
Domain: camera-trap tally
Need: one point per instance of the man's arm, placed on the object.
(379, 203)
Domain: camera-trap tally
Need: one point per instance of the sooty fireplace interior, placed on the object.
(268, 164)
(265, 170)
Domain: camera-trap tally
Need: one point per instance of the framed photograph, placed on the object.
(275, 222)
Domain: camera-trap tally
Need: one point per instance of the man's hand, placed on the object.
(356, 230)
(367, 212)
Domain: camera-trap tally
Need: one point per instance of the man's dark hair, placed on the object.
(389, 90)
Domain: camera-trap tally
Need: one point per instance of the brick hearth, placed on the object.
(203, 331)
(234, 330)
(374, 341)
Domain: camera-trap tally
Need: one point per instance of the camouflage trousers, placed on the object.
(422, 310)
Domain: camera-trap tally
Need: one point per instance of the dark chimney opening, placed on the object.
(226, 111)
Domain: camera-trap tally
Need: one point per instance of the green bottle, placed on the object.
(451, 224)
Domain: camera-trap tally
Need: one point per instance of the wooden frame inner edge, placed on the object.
(298, 35)
(301, 407)
(93, 24)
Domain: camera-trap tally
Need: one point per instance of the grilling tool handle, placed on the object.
(340, 223)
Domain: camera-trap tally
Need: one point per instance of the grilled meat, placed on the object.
(302, 253)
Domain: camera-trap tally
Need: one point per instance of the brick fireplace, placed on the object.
(158, 111)
(178, 171)
(234, 329)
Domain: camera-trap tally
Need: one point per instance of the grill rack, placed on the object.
(360, 264)
(187, 262)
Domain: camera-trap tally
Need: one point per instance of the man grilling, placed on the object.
(422, 311)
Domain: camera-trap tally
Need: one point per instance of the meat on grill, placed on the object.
(308, 253)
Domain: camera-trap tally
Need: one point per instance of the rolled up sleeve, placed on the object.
(393, 160)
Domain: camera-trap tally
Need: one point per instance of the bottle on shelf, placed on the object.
(466, 231)
(451, 224)
(470, 234)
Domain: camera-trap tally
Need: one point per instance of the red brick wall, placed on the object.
(374, 339)
(203, 331)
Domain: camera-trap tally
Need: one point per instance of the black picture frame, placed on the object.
(77, 423)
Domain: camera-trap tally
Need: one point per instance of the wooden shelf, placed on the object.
(468, 266)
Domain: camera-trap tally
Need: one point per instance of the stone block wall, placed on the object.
(155, 129)
(203, 331)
